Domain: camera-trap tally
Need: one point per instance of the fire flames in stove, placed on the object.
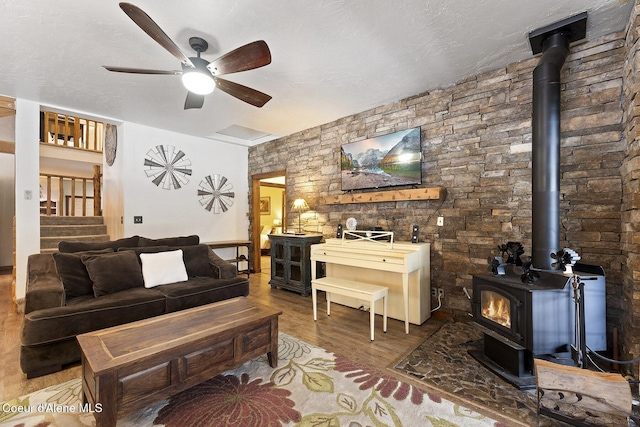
(496, 308)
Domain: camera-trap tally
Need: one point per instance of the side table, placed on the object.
(239, 257)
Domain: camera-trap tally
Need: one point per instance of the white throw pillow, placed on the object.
(162, 268)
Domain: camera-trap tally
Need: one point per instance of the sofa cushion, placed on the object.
(163, 267)
(196, 257)
(147, 249)
(73, 273)
(169, 241)
(66, 246)
(202, 290)
(86, 314)
(113, 272)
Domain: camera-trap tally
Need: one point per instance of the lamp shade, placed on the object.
(300, 205)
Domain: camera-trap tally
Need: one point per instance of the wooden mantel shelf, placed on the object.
(430, 193)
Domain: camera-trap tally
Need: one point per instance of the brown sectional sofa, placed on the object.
(89, 286)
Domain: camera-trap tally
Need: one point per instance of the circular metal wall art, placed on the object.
(215, 192)
(168, 167)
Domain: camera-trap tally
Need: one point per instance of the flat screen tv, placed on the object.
(383, 161)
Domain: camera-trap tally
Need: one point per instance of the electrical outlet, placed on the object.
(440, 292)
(433, 292)
(137, 219)
(440, 221)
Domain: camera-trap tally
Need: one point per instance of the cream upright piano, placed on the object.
(403, 267)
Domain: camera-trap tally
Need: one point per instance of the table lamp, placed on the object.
(300, 205)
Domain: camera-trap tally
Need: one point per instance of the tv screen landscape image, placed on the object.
(383, 161)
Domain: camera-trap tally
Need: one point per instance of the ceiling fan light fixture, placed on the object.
(197, 73)
(198, 82)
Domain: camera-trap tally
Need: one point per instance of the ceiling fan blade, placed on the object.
(140, 70)
(243, 93)
(154, 31)
(193, 101)
(247, 57)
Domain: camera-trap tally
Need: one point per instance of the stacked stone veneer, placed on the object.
(476, 142)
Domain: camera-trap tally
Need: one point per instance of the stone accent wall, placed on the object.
(630, 171)
(476, 142)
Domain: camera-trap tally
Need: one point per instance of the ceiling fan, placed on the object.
(200, 76)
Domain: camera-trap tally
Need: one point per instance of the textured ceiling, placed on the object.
(329, 58)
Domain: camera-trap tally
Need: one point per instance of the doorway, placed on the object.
(268, 212)
(7, 183)
(7, 209)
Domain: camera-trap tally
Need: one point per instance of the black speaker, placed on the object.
(414, 234)
(339, 232)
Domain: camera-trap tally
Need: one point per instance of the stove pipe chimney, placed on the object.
(545, 184)
(553, 41)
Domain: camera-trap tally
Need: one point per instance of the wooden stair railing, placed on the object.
(66, 203)
(64, 130)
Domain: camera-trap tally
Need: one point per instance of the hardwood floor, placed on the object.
(345, 332)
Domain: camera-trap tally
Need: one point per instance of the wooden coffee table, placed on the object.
(130, 366)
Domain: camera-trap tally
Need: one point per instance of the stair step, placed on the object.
(54, 229)
(52, 242)
(72, 230)
(70, 220)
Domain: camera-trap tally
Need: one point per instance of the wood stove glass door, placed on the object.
(496, 308)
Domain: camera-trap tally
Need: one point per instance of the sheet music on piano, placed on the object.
(380, 237)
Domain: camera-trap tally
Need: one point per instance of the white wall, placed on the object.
(113, 186)
(177, 212)
(26, 180)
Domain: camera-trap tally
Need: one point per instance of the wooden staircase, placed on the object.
(53, 229)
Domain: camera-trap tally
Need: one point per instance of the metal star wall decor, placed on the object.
(215, 192)
(168, 167)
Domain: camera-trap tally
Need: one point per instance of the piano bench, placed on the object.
(350, 288)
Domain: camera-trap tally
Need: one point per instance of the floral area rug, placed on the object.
(310, 387)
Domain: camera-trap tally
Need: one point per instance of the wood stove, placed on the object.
(526, 320)
(522, 321)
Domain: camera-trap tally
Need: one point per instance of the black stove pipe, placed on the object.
(546, 151)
